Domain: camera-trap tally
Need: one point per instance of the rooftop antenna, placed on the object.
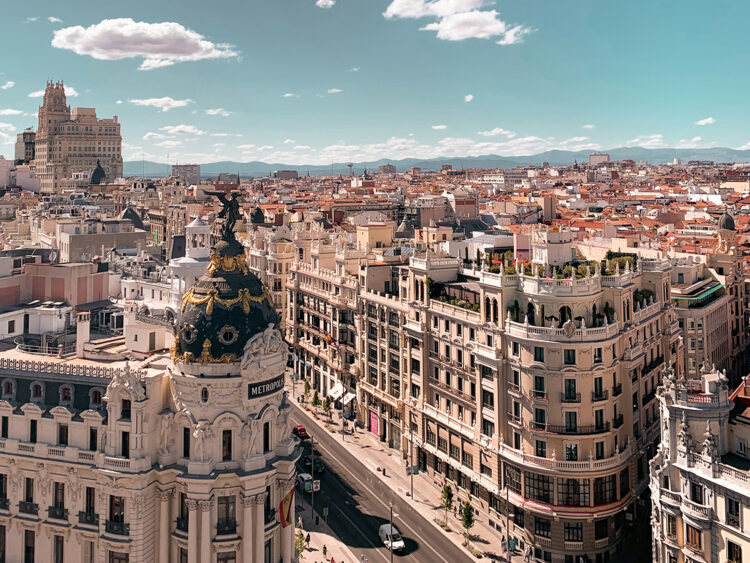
(351, 169)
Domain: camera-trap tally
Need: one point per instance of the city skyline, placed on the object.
(305, 82)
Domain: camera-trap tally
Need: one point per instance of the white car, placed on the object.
(391, 538)
(305, 482)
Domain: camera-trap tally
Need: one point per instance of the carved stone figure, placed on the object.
(127, 380)
(201, 433)
(265, 343)
(165, 426)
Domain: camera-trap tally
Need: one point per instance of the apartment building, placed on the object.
(320, 322)
(530, 388)
(270, 254)
(699, 477)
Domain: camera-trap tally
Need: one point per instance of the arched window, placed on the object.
(487, 309)
(37, 391)
(204, 394)
(66, 394)
(494, 311)
(565, 314)
(9, 388)
(530, 313)
(95, 398)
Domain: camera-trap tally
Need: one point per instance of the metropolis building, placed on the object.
(186, 459)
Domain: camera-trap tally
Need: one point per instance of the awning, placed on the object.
(348, 398)
(336, 391)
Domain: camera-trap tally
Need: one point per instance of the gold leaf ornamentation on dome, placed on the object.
(206, 354)
(243, 296)
(227, 263)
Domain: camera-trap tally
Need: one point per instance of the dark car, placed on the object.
(319, 465)
(300, 432)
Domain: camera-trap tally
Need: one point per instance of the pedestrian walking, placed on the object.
(454, 510)
(307, 539)
(325, 550)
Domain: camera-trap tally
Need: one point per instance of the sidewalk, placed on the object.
(320, 535)
(376, 456)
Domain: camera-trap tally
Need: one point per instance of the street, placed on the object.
(358, 505)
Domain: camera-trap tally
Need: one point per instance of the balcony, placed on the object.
(181, 524)
(117, 528)
(602, 395)
(652, 365)
(560, 335)
(617, 421)
(696, 510)
(28, 507)
(57, 512)
(226, 527)
(617, 390)
(648, 396)
(578, 430)
(270, 516)
(88, 518)
(538, 394)
(570, 397)
(514, 418)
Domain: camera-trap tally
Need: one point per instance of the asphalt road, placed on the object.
(358, 504)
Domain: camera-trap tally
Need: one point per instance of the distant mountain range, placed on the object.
(555, 157)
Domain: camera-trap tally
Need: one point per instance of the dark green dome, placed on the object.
(98, 176)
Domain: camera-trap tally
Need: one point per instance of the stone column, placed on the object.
(206, 530)
(287, 534)
(259, 523)
(247, 529)
(165, 498)
(192, 506)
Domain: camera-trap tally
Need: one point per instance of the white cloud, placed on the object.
(9, 111)
(289, 141)
(439, 127)
(325, 3)
(8, 85)
(354, 69)
(654, 141)
(164, 104)
(334, 91)
(220, 135)
(744, 147)
(290, 95)
(468, 98)
(31, 19)
(497, 132)
(7, 127)
(169, 144)
(53, 19)
(302, 148)
(69, 91)
(118, 102)
(457, 20)
(158, 44)
(689, 143)
(265, 147)
(706, 121)
(587, 126)
(246, 147)
(151, 135)
(182, 129)
(422, 8)
(218, 111)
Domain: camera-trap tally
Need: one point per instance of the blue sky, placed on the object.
(300, 81)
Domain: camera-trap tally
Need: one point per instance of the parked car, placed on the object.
(319, 465)
(300, 432)
(305, 482)
(391, 538)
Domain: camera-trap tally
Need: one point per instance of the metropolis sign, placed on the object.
(255, 390)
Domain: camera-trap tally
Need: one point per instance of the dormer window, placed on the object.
(36, 391)
(9, 389)
(95, 398)
(66, 395)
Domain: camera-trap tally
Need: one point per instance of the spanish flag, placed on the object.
(285, 509)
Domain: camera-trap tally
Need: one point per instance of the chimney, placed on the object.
(83, 332)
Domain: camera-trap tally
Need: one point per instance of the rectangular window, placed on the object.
(571, 421)
(58, 543)
(572, 492)
(4, 433)
(734, 552)
(125, 409)
(541, 448)
(28, 546)
(125, 450)
(62, 434)
(116, 509)
(624, 482)
(604, 490)
(597, 355)
(733, 512)
(538, 354)
(90, 500)
(571, 452)
(226, 445)
(570, 357)
(671, 526)
(58, 498)
(488, 399)
(513, 478)
(226, 515)
(573, 532)
(516, 348)
(266, 437)
(693, 537)
(599, 447)
(93, 439)
(32, 431)
(488, 427)
(696, 493)
(538, 487)
(542, 527)
(186, 442)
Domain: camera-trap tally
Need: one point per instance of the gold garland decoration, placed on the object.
(243, 296)
(227, 263)
(205, 357)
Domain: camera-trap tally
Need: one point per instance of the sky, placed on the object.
(322, 81)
